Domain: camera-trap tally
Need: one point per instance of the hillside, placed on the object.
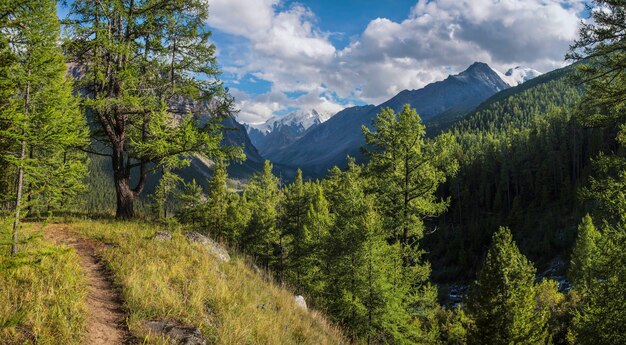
(524, 156)
(168, 288)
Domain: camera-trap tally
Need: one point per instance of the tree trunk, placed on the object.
(125, 198)
(18, 199)
(20, 175)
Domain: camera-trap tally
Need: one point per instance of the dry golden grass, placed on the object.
(42, 292)
(178, 280)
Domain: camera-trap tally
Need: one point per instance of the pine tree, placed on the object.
(406, 171)
(147, 71)
(238, 215)
(502, 300)
(601, 48)
(39, 119)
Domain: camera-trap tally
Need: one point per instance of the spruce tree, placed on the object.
(40, 122)
(502, 300)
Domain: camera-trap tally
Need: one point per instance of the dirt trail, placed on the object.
(106, 319)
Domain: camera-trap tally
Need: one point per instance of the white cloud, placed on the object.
(284, 45)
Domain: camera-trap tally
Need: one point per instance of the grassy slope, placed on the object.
(228, 302)
(41, 293)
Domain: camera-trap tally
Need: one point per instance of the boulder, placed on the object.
(212, 246)
(301, 302)
(176, 333)
(163, 236)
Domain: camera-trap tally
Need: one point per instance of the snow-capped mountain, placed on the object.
(328, 144)
(518, 75)
(301, 118)
(280, 131)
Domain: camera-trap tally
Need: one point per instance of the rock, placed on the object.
(176, 333)
(300, 302)
(212, 246)
(163, 236)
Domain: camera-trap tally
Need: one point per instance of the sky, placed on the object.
(279, 56)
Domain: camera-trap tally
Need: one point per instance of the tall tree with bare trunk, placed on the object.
(147, 71)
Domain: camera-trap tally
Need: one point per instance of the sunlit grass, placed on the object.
(42, 292)
(178, 280)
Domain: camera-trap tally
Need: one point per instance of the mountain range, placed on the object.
(315, 141)
(278, 132)
(328, 143)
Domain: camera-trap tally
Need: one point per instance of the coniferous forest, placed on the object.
(506, 225)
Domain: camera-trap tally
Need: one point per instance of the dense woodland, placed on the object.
(537, 172)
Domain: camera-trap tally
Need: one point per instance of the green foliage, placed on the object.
(262, 235)
(189, 201)
(164, 195)
(502, 299)
(217, 201)
(454, 326)
(40, 123)
(139, 119)
(361, 267)
(601, 318)
(602, 49)
(315, 232)
(583, 256)
(560, 307)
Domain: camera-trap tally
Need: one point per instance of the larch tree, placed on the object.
(502, 300)
(601, 47)
(262, 234)
(147, 71)
(40, 122)
(359, 289)
(405, 171)
(584, 254)
(217, 200)
(315, 231)
(295, 240)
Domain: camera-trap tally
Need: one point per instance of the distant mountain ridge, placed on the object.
(328, 143)
(278, 132)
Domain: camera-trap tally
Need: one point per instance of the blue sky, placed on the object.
(283, 55)
(279, 56)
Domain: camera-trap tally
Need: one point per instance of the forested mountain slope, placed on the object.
(523, 156)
